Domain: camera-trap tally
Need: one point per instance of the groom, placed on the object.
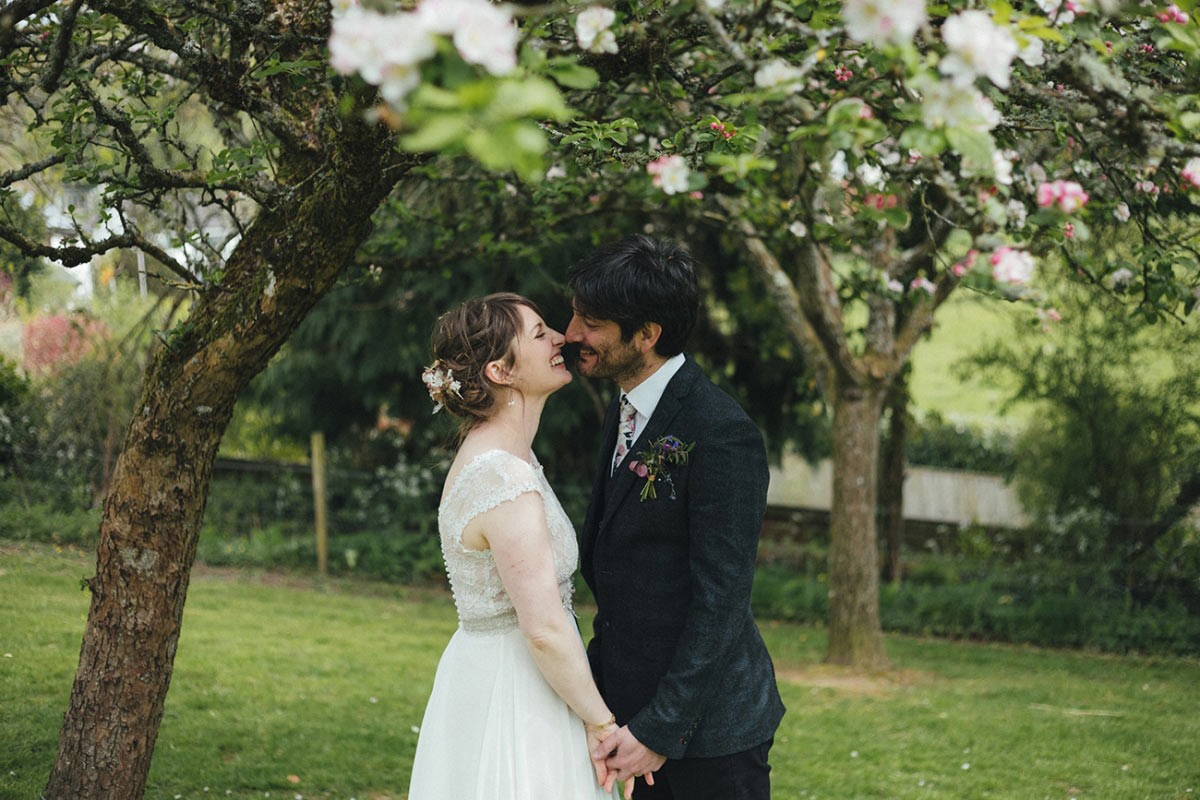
(675, 651)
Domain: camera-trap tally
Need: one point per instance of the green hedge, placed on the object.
(397, 553)
(1039, 612)
(49, 522)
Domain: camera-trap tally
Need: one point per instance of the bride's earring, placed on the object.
(512, 401)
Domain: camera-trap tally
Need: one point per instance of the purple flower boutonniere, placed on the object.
(652, 463)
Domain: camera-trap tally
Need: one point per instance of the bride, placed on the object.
(514, 712)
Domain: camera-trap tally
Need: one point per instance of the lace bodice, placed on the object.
(492, 478)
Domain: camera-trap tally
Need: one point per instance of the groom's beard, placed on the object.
(618, 362)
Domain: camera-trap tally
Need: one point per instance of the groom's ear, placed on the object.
(647, 337)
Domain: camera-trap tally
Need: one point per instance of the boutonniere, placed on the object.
(652, 463)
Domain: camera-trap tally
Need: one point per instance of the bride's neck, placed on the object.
(513, 427)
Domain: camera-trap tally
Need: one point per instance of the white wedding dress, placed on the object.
(494, 729)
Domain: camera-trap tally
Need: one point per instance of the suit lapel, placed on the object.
(600, 488)
(658, 425)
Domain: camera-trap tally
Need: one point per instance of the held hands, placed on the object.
(624, 759)
(596, 734)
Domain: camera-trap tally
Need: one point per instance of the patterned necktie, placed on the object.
(625, 440)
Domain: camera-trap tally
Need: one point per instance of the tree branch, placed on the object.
(73, 255)
(152, 176)
(15, 12)
(786, 299)
(62, 45)
(11, 177)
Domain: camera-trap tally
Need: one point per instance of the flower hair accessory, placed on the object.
(652, 463)
(440, 382)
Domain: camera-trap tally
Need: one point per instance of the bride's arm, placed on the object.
(520, 543)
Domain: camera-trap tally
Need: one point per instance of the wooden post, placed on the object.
(319, 505)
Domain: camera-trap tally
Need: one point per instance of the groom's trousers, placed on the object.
(740, 776)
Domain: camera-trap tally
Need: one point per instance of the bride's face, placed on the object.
(539, 367)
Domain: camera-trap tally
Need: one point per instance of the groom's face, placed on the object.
(602, 353)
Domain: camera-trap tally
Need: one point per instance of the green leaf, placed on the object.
(429, 96)
(974, 145)
(923, 140)
(532, 97)
(739, 165)
(846, 112)
(516, 145)
(571, 74)
(438, 132)
(1001, 12)
(897, 217)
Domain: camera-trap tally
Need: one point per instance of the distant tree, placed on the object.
(1110, 463)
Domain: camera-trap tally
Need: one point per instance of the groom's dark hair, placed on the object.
(636, 280)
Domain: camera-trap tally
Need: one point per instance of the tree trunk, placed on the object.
(287, 260)
(855, 636)
(891, 489)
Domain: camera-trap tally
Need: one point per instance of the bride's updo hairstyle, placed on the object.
(465, 341)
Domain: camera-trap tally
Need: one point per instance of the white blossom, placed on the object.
(1032, 53)
(978, 47)
(777, 73)
(369, 43)
(881, 22)
(1121, 212)
(1016, 213)
(837, 166)
(488, 37)
(341, 8)
(1012, 266)
(592, 29)
(1002, 166)
(445, 16)
(1120, 277)
(870, 174)
(670, 173)
(948, 105)
(798, 229)
(714, 5)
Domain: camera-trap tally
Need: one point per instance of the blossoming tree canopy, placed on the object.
(835, 119)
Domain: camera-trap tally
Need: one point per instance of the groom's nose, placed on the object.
(574, 332)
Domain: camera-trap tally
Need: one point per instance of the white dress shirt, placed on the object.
(645, 396)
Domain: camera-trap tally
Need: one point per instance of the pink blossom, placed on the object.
(1191, 172)
(924, 284)
(1173, 14)
(1069, 231)
(959, 269)
(670, 173)
(1069, 195)
(696, 195)
(1012, 266)
(843, 73)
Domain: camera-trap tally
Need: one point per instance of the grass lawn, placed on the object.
(285, 687)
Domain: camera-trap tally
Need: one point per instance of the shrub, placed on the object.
(1046, 603)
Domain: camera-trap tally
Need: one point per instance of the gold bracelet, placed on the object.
(610, 721)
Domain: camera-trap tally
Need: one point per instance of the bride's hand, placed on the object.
(596, 734)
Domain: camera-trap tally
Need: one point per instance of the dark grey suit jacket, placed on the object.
(676, 653)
